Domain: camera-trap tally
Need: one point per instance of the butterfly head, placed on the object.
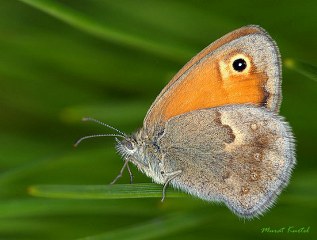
(133, 148)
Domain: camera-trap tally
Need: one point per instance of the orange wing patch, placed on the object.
(212, 47)
(208, 86)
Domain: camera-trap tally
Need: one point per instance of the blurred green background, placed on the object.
(63, 60)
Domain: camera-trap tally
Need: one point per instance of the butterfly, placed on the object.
(214, 130)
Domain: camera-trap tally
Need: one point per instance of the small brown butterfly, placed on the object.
(214, 131)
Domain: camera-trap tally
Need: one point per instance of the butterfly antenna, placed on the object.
(96, 135)
(86, 119)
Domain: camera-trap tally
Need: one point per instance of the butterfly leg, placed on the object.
(121, 171)
(169, 177)
(130, 173)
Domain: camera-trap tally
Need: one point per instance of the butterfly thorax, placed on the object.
(143, 152)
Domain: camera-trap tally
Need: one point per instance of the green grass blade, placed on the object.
(88, 25)
(30, 207)
(156, 228)
(116, 191)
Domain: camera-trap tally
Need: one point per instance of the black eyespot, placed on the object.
(239, 64)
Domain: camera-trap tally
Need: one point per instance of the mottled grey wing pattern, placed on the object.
(240, 155)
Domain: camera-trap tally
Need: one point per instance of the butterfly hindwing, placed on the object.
(240, 155)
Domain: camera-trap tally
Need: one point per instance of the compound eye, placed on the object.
(129, 145)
